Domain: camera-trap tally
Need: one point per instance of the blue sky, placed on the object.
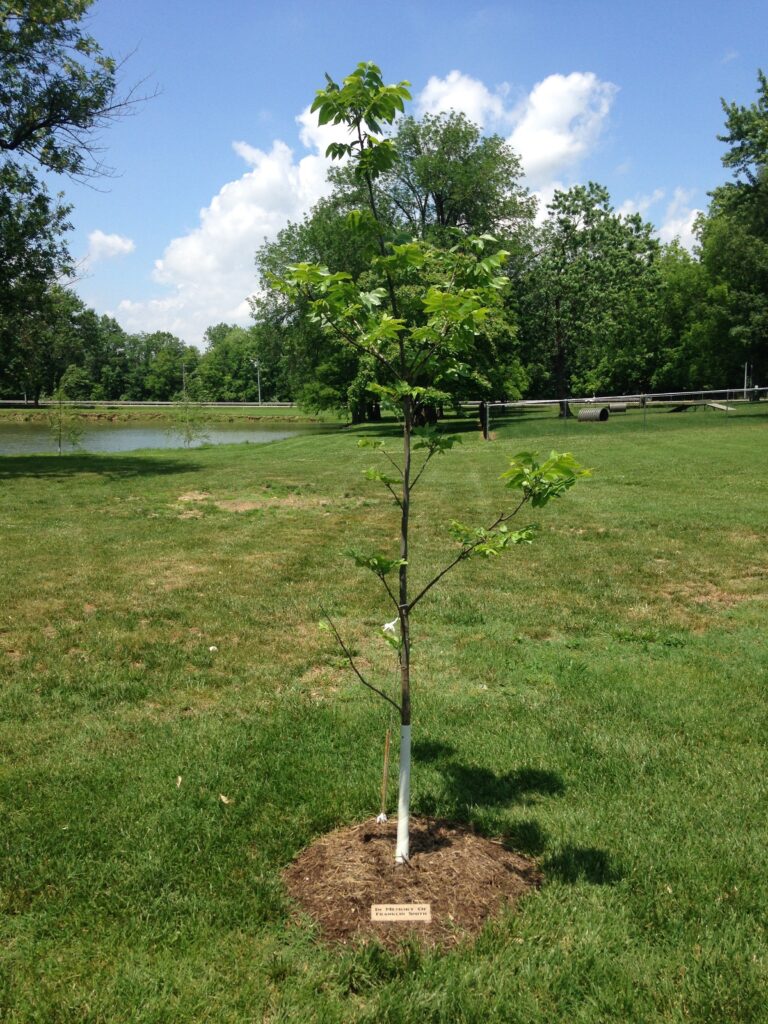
(627, 94)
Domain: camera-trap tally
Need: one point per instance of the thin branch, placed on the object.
(394, 493)
(415, 480)
(386, 454)
(462, 555)
(391, 461)
(356, 344)
(391, 595)
(354, 667)
(380, 231)
(465, 553)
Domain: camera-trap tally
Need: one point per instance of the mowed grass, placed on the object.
(597, 699)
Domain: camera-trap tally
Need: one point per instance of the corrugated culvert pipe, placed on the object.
(593, 414)
(617, 406)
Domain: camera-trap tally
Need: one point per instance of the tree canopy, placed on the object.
(59, 89)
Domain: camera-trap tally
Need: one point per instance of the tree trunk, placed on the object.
(402, 850)
(357, 413)
(424, 414)
(561, 373)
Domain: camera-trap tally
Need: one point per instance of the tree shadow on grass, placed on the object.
(393, 429)
(582, 864)
(472, 786)
(114, 467)
(475, 785)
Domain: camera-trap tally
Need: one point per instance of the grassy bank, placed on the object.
(598, 699)
(161, 414)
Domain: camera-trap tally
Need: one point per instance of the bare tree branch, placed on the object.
(354, 667)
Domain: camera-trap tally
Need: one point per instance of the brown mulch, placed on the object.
(465, 877)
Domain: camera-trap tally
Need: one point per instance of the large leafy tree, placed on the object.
(747, 136)
(297, 358)
(589, 297)
(58, 90)
(229, 369)
(157, 365)
(734, 242)
(446, 176)
(47, 339)
(32, 255)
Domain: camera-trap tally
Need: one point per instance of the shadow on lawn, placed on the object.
(582, 864)
(393, 429)
(471, 786)
(114, 466)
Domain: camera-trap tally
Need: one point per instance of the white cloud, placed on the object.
(679, 219)
(552, 128)
(465, 94)
(544, 197)
(641, 204)
(560, 122)
(210, 270)
(102, 246)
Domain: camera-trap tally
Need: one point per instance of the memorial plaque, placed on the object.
(401, 912)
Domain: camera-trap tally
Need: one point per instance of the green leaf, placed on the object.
(432, 439)
(540, 482)
(376, 475)
(488, 543)
(379, 564)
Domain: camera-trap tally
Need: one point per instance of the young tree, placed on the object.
(415, 314)
(63, 423)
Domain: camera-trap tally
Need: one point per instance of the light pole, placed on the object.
(258, 376)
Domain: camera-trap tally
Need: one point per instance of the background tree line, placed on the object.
(594, 303)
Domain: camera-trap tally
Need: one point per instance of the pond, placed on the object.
(33, 438)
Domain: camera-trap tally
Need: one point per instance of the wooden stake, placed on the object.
(385, 777)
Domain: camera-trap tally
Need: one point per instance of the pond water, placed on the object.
(32, 438)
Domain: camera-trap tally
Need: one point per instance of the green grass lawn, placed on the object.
(598, 699)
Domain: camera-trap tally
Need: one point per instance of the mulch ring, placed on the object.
(464, 877)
